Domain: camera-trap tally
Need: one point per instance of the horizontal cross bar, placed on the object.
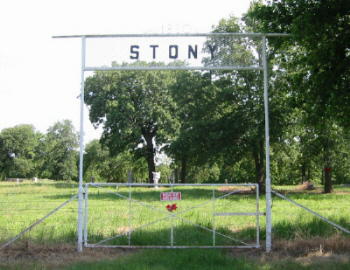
(239, 214)
(165, 185)
(170, 247)
(172, 68)
(179, 35)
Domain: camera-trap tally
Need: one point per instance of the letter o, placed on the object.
(171, 49)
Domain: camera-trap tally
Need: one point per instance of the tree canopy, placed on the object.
(18, 150)
(58, 151)
(135, 108)
(317, 58)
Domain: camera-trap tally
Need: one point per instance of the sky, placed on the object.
(40, 76)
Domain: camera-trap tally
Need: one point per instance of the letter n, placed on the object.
(191, 51)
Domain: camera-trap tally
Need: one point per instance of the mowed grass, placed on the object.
(291, 221)
(22, 204)
(111, 216)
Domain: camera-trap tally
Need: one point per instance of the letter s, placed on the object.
(134, 51)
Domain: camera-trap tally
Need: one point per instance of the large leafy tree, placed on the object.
(321, 64)
(17, 151)
(58, 151)
(191, 91)
(135, 108)
(100, 165)
(233, 122)
(94, 156)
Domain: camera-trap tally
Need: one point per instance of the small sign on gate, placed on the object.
(170, 196)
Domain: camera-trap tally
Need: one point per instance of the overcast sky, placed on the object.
(40, 76)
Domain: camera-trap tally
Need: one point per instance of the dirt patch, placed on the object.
(124, 229)
(342, 192)
(305, 186)
(53, 256)
(237, 190)
(315, 250)
(306, 246)
(309, 188)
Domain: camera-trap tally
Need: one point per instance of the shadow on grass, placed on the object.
(183, 234)
(192, 259)
(315, 227)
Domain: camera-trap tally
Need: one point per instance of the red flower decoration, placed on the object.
(170, 208)
(327, 169)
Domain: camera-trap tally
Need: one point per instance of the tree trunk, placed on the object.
(150, 157)
(176, 176)
(328, 185)
(260, 175)
(151, 166)
(303, 172)
(183, 170)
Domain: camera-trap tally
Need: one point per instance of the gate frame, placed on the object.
(266, 105)
(257, 213)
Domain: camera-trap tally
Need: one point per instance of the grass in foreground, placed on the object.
(206, 259)
(51, 245)
(332, 253)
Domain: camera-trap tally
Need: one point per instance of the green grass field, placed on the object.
(111, 215)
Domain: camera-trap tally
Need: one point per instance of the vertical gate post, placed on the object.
(267, 151)
(81, 190)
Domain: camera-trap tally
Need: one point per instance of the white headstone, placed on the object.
(156, 177)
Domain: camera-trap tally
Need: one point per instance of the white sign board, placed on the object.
(170, 196)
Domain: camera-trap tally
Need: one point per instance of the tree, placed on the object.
(135, 108)
(236, 127)
(321, 82)
(188, 92)
(58, 150)
(94, 156)
(102, 166)
(17, 151)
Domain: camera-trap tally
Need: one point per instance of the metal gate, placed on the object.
(128, 215)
